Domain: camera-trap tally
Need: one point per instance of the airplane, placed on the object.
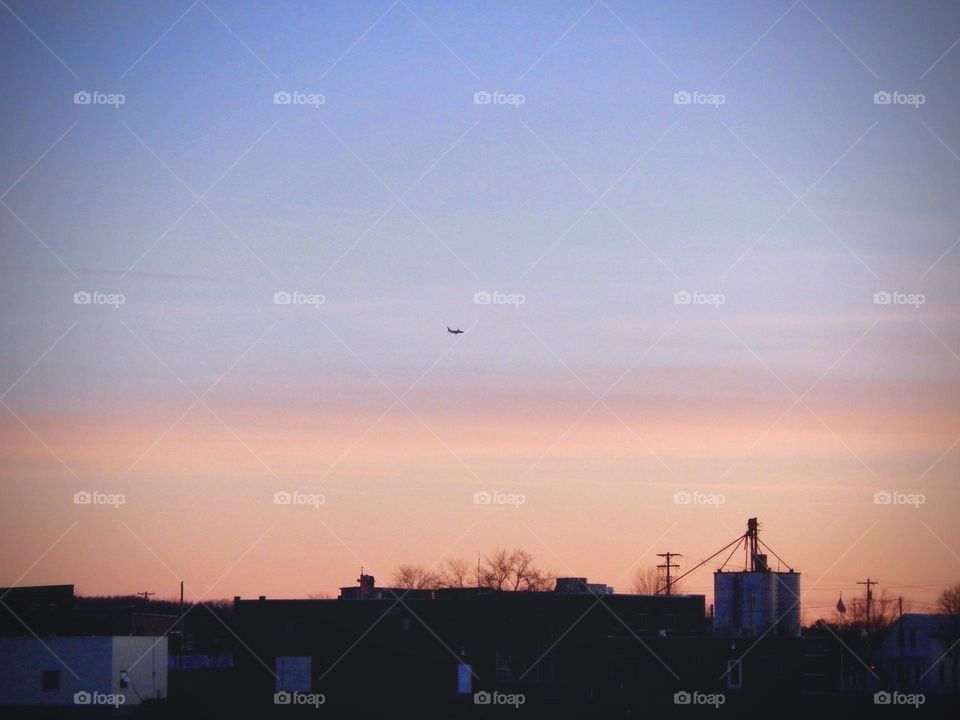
(458, 331)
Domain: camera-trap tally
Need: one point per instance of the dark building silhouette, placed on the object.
(55, 610)
(567, 646)
(44, 610)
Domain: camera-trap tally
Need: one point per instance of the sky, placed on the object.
(701, 254)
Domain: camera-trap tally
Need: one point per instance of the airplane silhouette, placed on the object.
(458, 331)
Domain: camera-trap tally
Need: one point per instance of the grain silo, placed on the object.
(757, 600)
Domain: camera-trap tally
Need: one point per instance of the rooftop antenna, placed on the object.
(753, 529)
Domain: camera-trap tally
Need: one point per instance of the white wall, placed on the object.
(86, 664)
(145, 661)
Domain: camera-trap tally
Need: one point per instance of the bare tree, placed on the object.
(415, 577)
(496, 569)
(502, 569)
(645, 581)
(650, 581)
(512, 570)
(524, 575)
(455, 573)
(949, 605)
(949, 601)
(883, 611)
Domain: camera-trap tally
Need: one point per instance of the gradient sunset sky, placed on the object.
(796, 396)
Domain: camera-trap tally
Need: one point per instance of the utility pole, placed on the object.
(182, 635)
(869, 583)
(668, 565)
(146, 596)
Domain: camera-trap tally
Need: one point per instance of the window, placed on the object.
(293, 673)
(503, 669)
(642, 622)
(913, 637)
(50, 680)
(669, 621)
(734, 675)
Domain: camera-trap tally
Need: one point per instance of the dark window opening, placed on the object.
(50, 680)
(734, 675)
